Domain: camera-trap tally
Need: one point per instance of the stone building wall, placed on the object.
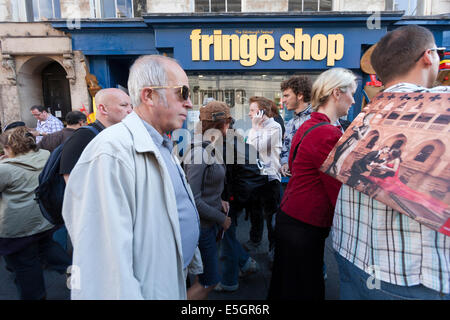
(26, 49)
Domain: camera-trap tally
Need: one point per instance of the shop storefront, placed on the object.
(233, 57)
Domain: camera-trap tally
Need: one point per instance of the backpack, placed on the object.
(50, 192)
(244, 174)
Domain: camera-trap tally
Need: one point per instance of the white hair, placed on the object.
(147, 71)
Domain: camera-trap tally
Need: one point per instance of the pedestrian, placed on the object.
(413, 260)
(46, 122)
(112, 106)
(306, 212)
(207, 180)
(243, 178)
(127, 206)
(265, 136)
(296, 97)
(74, 120)
(25, 235)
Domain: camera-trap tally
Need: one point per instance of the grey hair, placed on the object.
(149, 70)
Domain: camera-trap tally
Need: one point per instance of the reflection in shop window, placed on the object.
(218, 6)
(424, 154)
(310, 5)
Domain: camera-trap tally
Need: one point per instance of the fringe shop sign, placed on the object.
(248, 46)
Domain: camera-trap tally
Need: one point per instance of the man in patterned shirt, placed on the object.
(296, 96)
(382, 253)
(46, 122)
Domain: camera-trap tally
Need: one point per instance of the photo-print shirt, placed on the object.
(368, 233)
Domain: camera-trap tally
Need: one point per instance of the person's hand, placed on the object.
(35, 133)
(285, 170)
(258, 119)
(226, 224)
(225, 206)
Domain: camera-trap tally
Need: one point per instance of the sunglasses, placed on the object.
(183, 92)
(440, 51)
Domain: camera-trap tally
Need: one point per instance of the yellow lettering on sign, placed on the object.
(232, 40)
(319, 47)
(207, 41)
(288, 50)
(195, 44)
(266, 45)
(250, 45)
(302, 45)
(217, 45)
(335, 48)
(248, 50)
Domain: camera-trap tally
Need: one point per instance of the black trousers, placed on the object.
(263, 205)
(298, 265)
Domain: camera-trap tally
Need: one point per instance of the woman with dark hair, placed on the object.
(205, 173)
(25, 235)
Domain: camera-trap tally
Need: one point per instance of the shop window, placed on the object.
(424, 154)
(218, 6)
(112, 8)
(46, 9)
(310, 5)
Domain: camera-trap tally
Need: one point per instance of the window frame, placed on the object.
(318, 6)
(210, 6)
(39, 17)
(97, 12)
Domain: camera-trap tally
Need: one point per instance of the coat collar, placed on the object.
(143, 142)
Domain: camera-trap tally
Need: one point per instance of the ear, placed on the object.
(426, 58)
(101, 108)
(300, 96)
(336, 93)
(147, 96)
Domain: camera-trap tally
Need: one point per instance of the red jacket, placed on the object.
(311, 195)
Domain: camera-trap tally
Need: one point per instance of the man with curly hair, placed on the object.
(296, 96)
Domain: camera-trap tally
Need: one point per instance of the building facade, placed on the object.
(59, 52)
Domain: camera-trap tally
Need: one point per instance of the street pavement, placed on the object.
(253, 287)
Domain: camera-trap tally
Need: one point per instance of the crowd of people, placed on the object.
(143, 221)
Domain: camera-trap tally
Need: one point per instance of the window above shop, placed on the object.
(112, 8)
(218, 6)
(35, 10)
(310, 5)
(411, 7)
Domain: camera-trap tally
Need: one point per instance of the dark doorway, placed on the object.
(56, 90)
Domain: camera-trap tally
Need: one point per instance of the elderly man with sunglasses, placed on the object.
(128, 208)
(410, 260)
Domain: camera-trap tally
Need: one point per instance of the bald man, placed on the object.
(112, 106)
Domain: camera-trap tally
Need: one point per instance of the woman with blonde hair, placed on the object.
(306, 212)
(25, 235)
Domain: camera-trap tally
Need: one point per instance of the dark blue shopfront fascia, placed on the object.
(236, 43)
